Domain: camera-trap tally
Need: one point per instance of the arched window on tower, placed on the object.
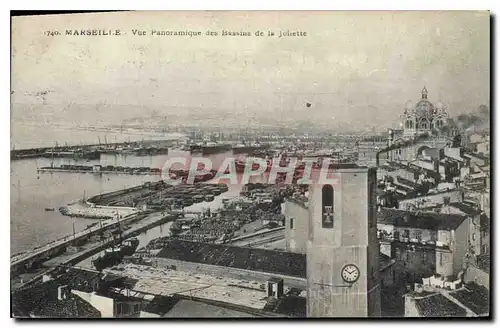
(424, 124)
(407, 125)
(417, 126)
(327, 206)
(411, 124)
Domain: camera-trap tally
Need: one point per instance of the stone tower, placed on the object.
(342, 240)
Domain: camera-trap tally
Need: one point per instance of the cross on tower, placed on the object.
(328, 214)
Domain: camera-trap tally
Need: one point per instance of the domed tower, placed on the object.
(423, 117)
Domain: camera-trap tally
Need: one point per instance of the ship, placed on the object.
(210, 148)
(73, 154)
(152, 151)
(249, 149)
(198, 198)
(129, 246)
(111, 257)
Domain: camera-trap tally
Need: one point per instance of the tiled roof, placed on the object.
(290, 264)
(270, 261)
(465, 208)
(422, 220)
(475, 297)
(439, 306)
(39, 295)
(72, 307)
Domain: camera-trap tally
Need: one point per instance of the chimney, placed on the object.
(275, 287)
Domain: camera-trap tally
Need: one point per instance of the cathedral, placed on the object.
(424, 126)
(423, 117)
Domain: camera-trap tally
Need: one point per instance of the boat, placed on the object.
(249, 149)
(151, 151)
(223, 187)
(209, 197)
(210, 148)
(129, 246)
(111, 257)
(49, 209)
(198, 198)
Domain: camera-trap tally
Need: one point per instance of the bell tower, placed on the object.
(342, 248)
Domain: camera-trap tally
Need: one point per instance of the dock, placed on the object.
(56, 248)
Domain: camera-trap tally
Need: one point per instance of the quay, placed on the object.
(98, 169)
(93, 151)
(26, 261)
(131, 211)
(140, 226)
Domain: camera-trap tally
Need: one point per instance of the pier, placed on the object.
(93, 151)
(54, 249)
(26, 261)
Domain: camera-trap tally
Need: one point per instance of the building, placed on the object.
(427, 242)
(432, 300)
(342, 249)
(424, 129)
(296, 225)
(424, 116)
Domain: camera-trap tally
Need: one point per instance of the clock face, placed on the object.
(350, 273)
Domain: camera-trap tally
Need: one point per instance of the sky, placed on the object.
(356, 69)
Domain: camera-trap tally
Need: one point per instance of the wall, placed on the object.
(473, 274)
(460, 245)
(484, 147)
(103, 304)
(418, 262)
(424, 164)
(444, 237)
(452, 152)
(385, 248)
(444, 262)
(425, 234)
(296, 238)
(411, 310)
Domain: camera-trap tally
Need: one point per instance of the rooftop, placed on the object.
(439, 306)
(466, 209)
(476, 155)
(193, 309)
(42, 301)
(167, 282)
(422, 220)
(475, 297)
(301, 201)
(284, 263)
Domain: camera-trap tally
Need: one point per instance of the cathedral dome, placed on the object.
(424, 108)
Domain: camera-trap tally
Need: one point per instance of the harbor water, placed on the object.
(34, 195)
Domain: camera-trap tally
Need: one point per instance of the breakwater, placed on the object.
(98, 169)
(93, 151)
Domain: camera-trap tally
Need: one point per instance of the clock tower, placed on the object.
(342, 247)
